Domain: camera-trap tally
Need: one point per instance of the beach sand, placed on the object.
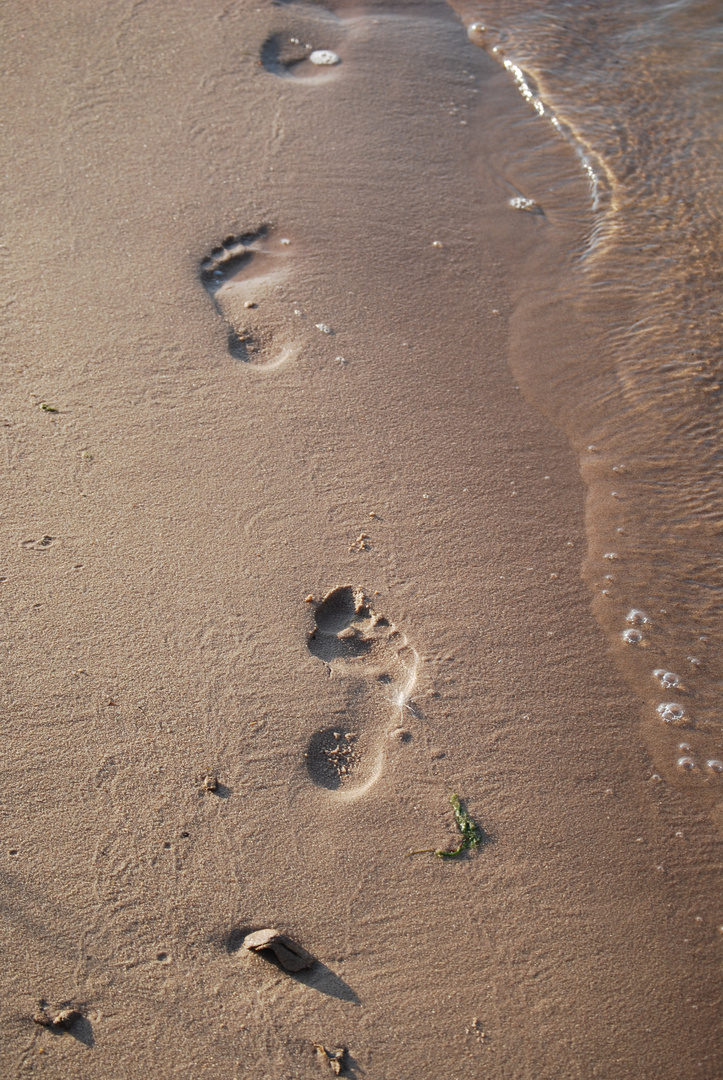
(165, 524)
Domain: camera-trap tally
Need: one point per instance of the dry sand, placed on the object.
(163, 528)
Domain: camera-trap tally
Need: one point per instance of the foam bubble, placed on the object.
(671, 711)
(476, 32)
(668, 679)
(324, 57)
(715, 765)
(633, 637)
(686, 763)
(636, 617)
(519, 202)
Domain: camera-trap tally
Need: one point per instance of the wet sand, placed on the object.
(209, 467)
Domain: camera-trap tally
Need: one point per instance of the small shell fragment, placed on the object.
(66, 1018)
(324, 58)
(291, 956)
(335, 1058)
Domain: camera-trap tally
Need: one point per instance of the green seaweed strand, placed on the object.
(471, 833)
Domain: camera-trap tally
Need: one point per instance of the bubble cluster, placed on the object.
(688, 763)
(632, 637)
(668, 679)
(519, 202)
(671, 711)
(476, 33)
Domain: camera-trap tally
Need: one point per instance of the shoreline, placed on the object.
(628, 372)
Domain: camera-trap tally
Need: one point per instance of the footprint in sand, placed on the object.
(377, 669)
(245, 278)
(310, 50)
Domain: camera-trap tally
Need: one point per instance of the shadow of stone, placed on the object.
(351, 1067)
(322, 979)
(82, 1032)
(221, 792)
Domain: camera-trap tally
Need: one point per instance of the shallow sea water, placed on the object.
(627, 354)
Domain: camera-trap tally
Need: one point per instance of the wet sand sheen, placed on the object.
(193, 501)
(632, 374)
